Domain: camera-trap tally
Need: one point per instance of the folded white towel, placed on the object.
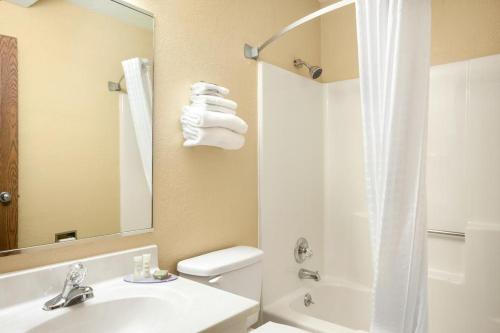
(206, 88)
(212, 108)
(214, 100)
(214, 136)
(193, 117)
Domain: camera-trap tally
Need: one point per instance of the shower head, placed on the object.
(314, 71)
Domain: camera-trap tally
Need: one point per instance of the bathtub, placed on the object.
(339, 307)
(344, 307)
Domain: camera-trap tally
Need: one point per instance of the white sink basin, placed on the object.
(180, 306)
(136, 314)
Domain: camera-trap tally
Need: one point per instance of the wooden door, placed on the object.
(8, 143)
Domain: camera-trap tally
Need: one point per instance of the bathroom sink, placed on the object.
(137, 314)
(180, 306)
(117, 306)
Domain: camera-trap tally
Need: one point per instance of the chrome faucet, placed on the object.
(307, 274)
(73, 292)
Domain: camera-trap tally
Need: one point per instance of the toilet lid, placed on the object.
(271, 327)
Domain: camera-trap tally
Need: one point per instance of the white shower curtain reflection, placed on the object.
(394, 43)
(140, 96)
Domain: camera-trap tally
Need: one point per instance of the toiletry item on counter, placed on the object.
(137, 268)
(168, 278)
(161, 274)
(194, 117)
(146, 265)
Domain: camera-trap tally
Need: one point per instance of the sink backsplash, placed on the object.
(41, 282)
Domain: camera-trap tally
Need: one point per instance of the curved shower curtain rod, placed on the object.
(251, 52)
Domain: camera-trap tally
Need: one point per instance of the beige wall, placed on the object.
(68, 120)
(204, 198)
(461, 29)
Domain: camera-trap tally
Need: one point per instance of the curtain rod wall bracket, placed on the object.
(251, 52)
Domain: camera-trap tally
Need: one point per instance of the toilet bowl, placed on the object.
(237, 270)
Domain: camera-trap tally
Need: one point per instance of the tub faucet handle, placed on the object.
(308, 300)
(302, 250)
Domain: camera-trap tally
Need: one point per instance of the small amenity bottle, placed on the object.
(146, 265)
(138, 263)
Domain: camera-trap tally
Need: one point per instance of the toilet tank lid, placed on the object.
(222, 261)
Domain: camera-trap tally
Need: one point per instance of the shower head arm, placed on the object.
(299, 63)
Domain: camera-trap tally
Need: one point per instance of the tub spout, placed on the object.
(307, 274)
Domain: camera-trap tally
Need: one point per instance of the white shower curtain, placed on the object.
(394, 43)
(140, 96)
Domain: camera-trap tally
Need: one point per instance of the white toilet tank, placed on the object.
(237, 270)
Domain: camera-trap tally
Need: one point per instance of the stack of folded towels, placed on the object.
(210, 119)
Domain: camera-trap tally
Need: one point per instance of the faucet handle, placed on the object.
(76, 274)
(302, 250)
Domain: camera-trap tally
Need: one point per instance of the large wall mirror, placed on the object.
(75, 120)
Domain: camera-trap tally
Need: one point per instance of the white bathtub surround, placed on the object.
(140, 94)
(290, 176)
(192, 116)
(210, 119)
(394, 48)
(463, 185)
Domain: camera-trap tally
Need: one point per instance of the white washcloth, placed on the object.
(194, 117)
(212, 108)
(206, 88)
(214, 100)
(214, 136)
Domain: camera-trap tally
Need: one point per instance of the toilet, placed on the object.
(237, 270)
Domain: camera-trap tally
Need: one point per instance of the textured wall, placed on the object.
(204, 198)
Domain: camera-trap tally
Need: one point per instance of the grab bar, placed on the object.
(446, 233)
